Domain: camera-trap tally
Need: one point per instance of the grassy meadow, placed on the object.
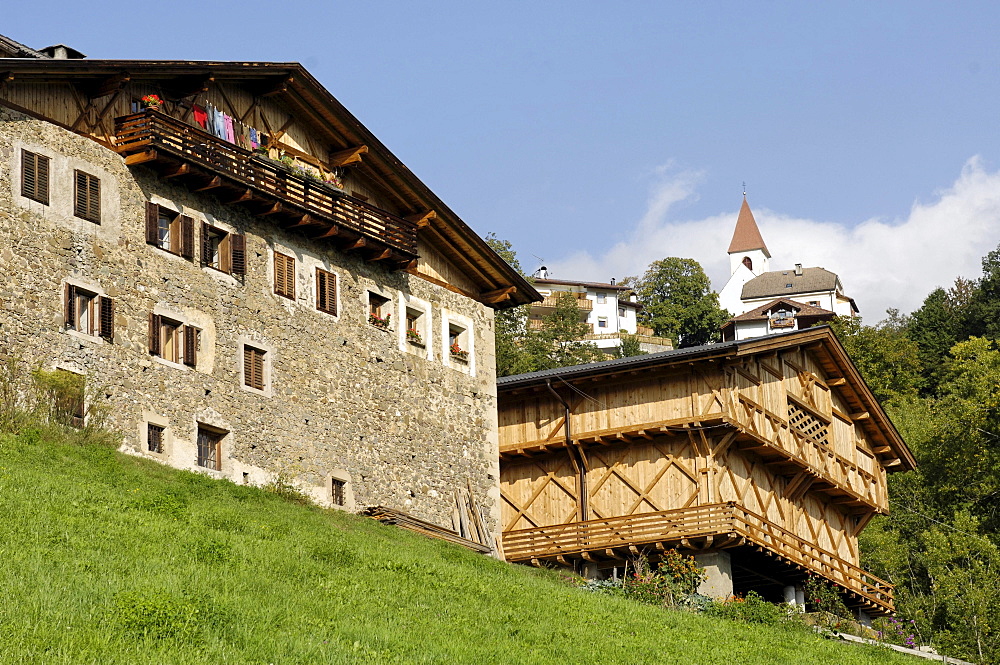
(106, 558)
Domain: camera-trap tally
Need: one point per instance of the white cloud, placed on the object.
(882, 263)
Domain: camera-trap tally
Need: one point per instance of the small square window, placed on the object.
(87, 197)
(89, 313)
(253, 367)
(169, 230)
(35, 177)
(339, 492)
(621, 312)
(173, 341)
(458, 345)
(378, 314)
(210, 447)
(326, 291)
(602, 298)
(154, 438)
(284, 275)
(215, 250)
(414, 326)
(602, 322)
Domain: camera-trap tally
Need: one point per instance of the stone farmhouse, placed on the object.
(764, 458)
(253, 285)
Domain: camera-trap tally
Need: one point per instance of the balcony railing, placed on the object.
(143, 136)
(643, 339)
(552, 301)
(670, 527)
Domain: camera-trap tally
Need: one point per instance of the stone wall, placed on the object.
(404, 425)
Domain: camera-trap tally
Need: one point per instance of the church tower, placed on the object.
(748, 258)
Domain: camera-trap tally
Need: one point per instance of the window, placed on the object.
(621, 312)
(35, 177)
(602, 298)
(210, 447)
(87, 197)
(458, 344)
(602, 322)
(169, 230)
(326, 292)
(173, 341)
(215, 252)
(414, 326)
(339, 489)
(89, 313)
(814, 303)
(284, 275)
(748, 263)
(376, 316)
(154, 438)
(253, 367)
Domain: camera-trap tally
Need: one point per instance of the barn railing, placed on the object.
(152, 132)
(729, 521)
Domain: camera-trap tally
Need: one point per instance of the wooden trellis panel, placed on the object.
(539, 492)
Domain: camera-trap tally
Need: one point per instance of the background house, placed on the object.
(235, 271)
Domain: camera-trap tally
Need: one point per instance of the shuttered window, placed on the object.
(35, 176)
(238, 254)
(284, 275)
(173, 341)
(326, 292)
(89, 313)
(210, 448)
(154, 438)
(253, 367)
(87, 197)
(190, 346)
(169, 230)
(339, 492)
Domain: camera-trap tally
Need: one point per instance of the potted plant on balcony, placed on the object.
(151, 102)
(413, 337)
(458, 352)
(380, 322)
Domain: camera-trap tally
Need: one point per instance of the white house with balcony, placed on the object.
(607, 308)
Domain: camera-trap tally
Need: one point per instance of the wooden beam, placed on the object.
(380, 256)
(349, 156)
(836, 383)
(6, 78)
(499, 295)
(187, 86)
(279, 87)
(329, 233)
(140, 157)
(108, 85)
(422, 219)
(275, 209)
(247, 195)
(183, 169)
(864, 415)
(212, 184)
(356, 244)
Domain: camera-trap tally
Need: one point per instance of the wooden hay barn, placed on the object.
(766, 457)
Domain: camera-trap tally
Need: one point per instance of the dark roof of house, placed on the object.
(785, 283)
(592, 285)
(12, 49)
(797, 308)
(747, 236)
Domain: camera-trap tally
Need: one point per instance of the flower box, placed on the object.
(380, 322)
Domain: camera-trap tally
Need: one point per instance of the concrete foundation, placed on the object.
(718, 566)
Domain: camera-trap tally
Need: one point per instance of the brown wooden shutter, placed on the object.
(238, 251)
(154, 334)
(206, 245)
(284, 275)
(320, 290)
(87, 202)
(326, 291)
(152, 223)
(258, 369)
(190, 346)
(35, 176)
(107, 307)
(187, 237)
(70, 306)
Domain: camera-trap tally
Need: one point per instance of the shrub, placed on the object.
(160, 614)
(823, 597)
(675, 577)
(752, 608)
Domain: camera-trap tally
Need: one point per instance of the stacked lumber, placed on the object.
(468, 519)
(387, 515)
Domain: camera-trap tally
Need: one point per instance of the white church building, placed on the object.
(764, 301)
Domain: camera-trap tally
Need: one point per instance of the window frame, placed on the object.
(37, 166)
(419, 320)
(184, 340)
(100, 312)
(160, 438)
(216, 248)
(209, 439)
(179, 234)
(375, 302)
(86, 196)
(255, 359)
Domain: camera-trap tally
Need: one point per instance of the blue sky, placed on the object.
(600, 136)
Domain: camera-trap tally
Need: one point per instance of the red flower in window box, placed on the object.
(151, 101)
(458, 351)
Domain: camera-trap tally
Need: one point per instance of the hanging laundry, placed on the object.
(253, 138)
(200, 115)
(230, 136)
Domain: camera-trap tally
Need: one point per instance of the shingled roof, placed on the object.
(12, 49)
(747, 236)
(785, 283)
(799, 310)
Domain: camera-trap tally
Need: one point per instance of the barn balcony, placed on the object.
(206, 163)
(780, 553)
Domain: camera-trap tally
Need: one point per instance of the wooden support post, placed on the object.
(214, 183)
(140, 157)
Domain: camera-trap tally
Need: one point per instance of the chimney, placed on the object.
(612, 281)
(798, 269)
(62, 52)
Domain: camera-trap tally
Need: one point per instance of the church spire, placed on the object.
(747, 236)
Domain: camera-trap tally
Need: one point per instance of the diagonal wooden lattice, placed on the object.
(807, 424)
(671, 467)
(557, 479)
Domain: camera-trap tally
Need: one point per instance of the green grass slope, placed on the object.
(105, 558)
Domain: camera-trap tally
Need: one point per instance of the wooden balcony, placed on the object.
(207, 163)
(552, 301)
(713, 526)
(643, 339)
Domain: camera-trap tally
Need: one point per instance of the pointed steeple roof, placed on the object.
(747, 237)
